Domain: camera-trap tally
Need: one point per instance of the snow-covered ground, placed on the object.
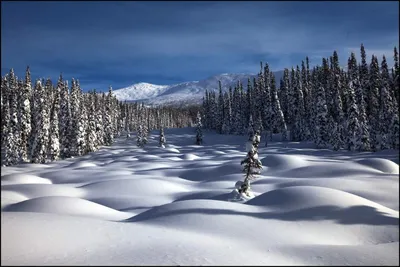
(127, 205)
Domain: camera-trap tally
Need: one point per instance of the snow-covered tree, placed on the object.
(64, 120)
(278, 120)
(251, 167)
(91, 137)
(25, 115)
(107, 119)
(162, 138)
(250, 127)
(42, 125)
(321, 118)
(199, 132)
(54, 141)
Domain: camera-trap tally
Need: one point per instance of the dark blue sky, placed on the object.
(121, 43)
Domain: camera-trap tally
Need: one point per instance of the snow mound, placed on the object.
(11, 197)
(171, 149)
(82, 164)
(186, 212)
(45, 190)
(305, 197)
(174, 158)
(68, 206)
(21, 178)
(383, 165)
(283, 161)
(133, 187)
(190, 156)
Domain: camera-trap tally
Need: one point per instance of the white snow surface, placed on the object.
(183, 93)
(171, 206)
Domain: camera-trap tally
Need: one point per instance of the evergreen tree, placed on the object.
(162, 138)
(42, 125)
(250, 127)
(25, 115)
(64, 119)
(139, 136)
(54, 141)
(107, 119)
(279, 125)
(226, 127)
(386, 109)
(5, 111)
(99, 105)
(321, 116)
(396, 75)
(91, 137)
(199, 132)
(373, 104)
(220, 108)
(13, 133)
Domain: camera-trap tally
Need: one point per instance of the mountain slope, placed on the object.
(182, 93)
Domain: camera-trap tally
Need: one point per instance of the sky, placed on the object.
(117, 44)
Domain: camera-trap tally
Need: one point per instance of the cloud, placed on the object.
(164, 42)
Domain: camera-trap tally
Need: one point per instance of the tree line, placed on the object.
(354, 108)
(46, 122)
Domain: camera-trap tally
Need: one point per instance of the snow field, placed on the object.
(140, 206)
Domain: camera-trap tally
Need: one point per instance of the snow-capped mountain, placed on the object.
(182, 93)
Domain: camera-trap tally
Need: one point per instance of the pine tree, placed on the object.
(352, 121)
(64, 119)
(279, 124)
(54, 141)
(91, 137)
(373, 104)
(251, 166)
(25, 115)
(220, 108)
(5, 111)
(250, 127)
(386, 109)
(107, 119)
(226, 127)
(13, 134)
(162, 138)
(199, 132)
(42, 125)
(396, 80)
(99, 105)
(321, 116)
(139, 136)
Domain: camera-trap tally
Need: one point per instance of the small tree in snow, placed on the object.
(139, 136)
(199, 133)
(251, 166)
(162, 138)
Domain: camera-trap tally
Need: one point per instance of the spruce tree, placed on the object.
(13, 133)
(42, 125)
(279, 119)
(162, 138)
(139, 136)
(321, 116)
(91, 137)
(64, 119)
(25, 116)
(5, 111)
(199, 132)
(373, 104)
(54, 140)
(107, 119)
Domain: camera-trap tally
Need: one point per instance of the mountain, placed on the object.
(183, 93)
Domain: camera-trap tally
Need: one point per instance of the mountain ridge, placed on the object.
(185, 93)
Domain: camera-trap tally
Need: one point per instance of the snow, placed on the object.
(187, 92)
(171, 206)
